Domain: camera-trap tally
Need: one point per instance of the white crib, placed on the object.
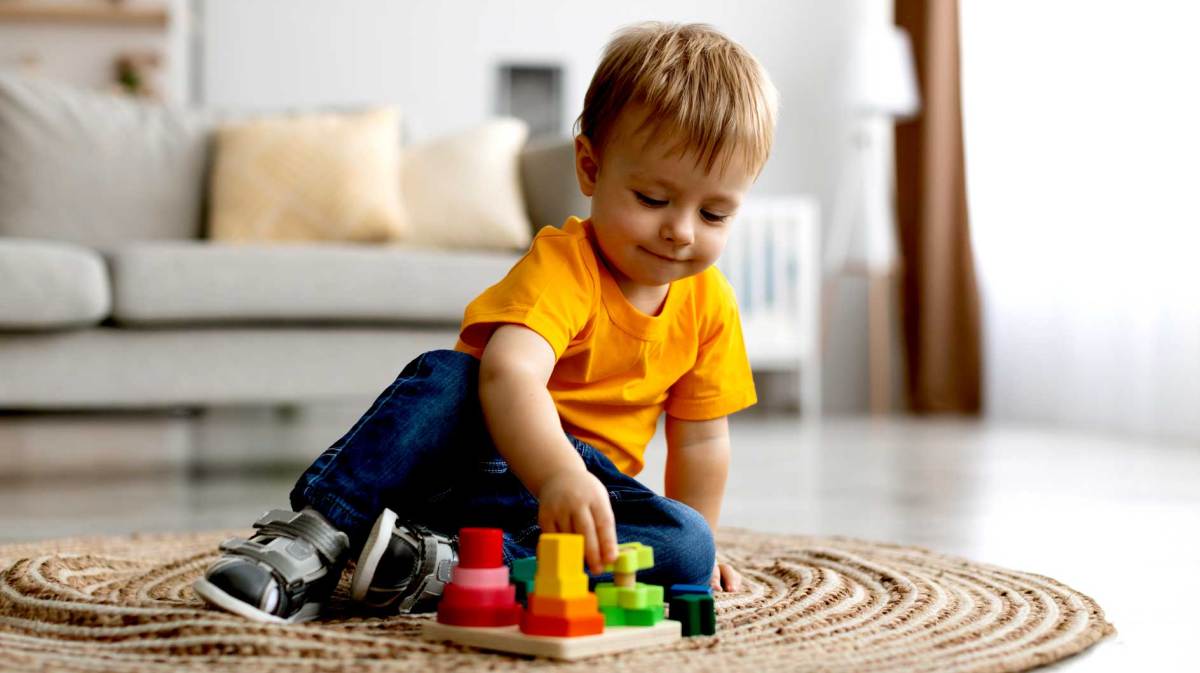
(773, 261)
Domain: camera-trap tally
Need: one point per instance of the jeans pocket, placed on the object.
(493, 466)
(626, 494)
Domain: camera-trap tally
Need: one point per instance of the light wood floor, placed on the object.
(1116, 518)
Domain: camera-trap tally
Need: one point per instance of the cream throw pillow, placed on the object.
(308, 178)
(464, 190)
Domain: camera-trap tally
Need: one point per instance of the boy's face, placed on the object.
(657, 218)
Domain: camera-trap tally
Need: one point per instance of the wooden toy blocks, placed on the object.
(480, 548)
(563, 620)
(695, 613)
(625, 601)
(523, 572)
(677, 589)
(478, 593)
(560, 604)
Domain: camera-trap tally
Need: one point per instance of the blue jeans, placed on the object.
(423, 451)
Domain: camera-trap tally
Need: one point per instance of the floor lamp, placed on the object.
(882, 89)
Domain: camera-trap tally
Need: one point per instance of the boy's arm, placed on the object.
(697, 466)
(524, 424)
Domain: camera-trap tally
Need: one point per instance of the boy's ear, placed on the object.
(586, 165)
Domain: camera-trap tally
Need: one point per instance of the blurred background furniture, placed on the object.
(862, 238)
(111, 297)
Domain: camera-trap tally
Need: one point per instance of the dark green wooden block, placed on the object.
(524, 568)
(696, 613)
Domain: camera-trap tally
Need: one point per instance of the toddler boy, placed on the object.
(538, 419)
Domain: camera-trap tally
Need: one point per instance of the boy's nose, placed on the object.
(678, 231)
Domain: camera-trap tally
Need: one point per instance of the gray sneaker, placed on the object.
(403, 568)
(283, 574)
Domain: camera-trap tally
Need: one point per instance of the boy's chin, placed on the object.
(660, 279)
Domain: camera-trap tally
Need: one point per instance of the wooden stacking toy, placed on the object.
(479, 593)
(561, 604)
(562, 619)
(625, 601)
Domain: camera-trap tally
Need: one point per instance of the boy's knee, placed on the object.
(692, 552)
(447, 364)
(444, 372)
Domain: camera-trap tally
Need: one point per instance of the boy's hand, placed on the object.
(725, 576)
(574, 501)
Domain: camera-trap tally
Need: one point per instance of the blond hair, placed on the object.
(712, 95)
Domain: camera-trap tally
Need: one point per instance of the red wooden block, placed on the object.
(563, 627)
(460, 595)
(480, 547)
(457, 615)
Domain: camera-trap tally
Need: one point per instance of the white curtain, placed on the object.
(1082, 139)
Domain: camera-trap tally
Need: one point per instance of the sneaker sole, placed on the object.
(215, 596)
(372, 551)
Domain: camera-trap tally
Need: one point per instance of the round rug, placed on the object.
(810, 604)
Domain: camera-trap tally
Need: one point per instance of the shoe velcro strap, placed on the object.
(418, 590)
(282, 567)
(329, 542)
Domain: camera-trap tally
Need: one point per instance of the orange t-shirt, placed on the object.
(617, 368)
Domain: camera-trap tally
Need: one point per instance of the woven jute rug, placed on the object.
(811, 604)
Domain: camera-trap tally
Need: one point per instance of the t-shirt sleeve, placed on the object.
(720, 383)
(550, 290)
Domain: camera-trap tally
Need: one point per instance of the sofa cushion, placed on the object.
(51, 285)
(549, 182)
(95, 168)
(464, 190)
(198, 282)
(313, 177)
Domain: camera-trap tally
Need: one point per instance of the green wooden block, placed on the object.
(640, 596)
(632, 598)
(524, 568)
(524, 588)
(695, 613)
(613, 616)
(654, 593)
(648, 616)
(606, 594)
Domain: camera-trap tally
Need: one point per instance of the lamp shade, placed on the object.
(882, 78)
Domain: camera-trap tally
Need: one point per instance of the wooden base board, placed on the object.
(510, 639)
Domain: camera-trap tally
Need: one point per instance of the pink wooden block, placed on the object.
(480, 577)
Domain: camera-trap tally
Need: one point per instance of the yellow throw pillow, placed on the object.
(308, 178)
(464, 190)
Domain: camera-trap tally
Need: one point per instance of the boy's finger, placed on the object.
(583, 524)
(606, 531)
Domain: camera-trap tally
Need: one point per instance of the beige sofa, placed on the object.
(111, 298)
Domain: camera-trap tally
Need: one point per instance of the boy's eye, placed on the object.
(713, 217)
(649, 201)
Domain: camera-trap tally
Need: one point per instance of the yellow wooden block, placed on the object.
(632, 557)
(561, 587)
(645, 556)
(627, 562)
(559, 554)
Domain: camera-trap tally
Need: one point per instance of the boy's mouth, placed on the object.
(662, 257)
